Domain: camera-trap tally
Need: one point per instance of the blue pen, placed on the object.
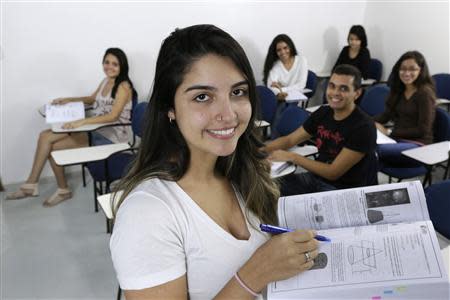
(277, 230)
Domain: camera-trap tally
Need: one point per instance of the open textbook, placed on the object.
(382, 245)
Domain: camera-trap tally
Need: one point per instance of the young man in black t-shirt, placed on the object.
(344, 135)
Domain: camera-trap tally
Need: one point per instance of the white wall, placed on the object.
(394, 28)
(55, 49)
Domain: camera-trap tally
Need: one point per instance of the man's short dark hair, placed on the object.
(350, 71)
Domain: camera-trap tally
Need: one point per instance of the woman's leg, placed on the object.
(44, 146)
(63, 193)
(75, 140)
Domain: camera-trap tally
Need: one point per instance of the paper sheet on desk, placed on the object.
(279, 166)
(64, 113)
(295, 96)
(384, 139)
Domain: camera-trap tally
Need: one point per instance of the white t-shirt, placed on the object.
(161, 233)
(294, 79)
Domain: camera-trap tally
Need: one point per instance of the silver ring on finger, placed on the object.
(307, 256)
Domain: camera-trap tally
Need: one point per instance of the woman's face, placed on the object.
(212, 106)
(409, 71)
(354, 42)
(283, 51)
(111, 66)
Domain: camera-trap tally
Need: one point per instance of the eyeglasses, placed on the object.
(412, 70)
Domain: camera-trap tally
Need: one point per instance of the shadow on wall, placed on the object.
(331, 48)
(374, 33)
(255, 55)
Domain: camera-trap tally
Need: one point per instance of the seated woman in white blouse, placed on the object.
(284, 69)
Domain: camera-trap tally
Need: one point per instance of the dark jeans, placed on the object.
(391, 154)
(98, 139)
(303, 183)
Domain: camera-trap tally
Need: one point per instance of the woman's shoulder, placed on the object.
(277, 64)
(426, 92)
(125, 85)
(345, 49)
(364, 52)
(151, 196)
(300, 58)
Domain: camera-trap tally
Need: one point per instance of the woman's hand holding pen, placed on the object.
(281, 257)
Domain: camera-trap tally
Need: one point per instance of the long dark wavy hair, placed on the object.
(123, 73)
(163, 152)
(272, 55)
(424, 82)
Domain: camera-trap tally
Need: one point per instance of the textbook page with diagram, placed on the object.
(382, 244)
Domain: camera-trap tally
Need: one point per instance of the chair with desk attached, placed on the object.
(442, 83)
(374, 99)
(268, 104)
(438, 203)
(292, 118)
(106, 171)
(134, 102)
(106, 163)
(375, 69)
(424, 163)
(311, 84)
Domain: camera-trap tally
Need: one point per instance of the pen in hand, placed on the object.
(277, 230)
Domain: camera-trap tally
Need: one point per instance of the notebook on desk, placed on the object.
(295, 96)
(68, 112)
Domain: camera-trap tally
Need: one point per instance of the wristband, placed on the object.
(245, 286)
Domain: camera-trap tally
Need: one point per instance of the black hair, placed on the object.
(359, 31)
(349, 70)
(272, 55)
(123, 73)
(423, 82)
(164, 153)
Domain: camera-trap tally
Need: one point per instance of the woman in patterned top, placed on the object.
(113, 99)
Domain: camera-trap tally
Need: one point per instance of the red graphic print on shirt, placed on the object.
(325, 136)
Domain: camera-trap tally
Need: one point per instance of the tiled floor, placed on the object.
(55, 253)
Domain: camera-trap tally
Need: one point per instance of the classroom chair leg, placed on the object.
(83, 174)
(119, 293)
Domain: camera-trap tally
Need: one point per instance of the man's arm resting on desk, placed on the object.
(345, 160)
(298, 136)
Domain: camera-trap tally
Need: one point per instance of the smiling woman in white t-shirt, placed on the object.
(187, 223)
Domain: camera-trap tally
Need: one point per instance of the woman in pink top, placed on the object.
(113, 96)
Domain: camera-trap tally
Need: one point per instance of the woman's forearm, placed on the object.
(86, 100)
